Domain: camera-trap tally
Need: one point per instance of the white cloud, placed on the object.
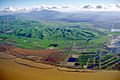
(67, 8)
(9, 9)
(102, 7)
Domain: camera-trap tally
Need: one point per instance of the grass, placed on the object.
(115, 33)
(39, 35)
(30, 43)
(36, 43)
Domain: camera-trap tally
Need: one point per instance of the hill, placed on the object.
(25, 33)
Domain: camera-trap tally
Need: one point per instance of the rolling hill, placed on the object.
(32, 32)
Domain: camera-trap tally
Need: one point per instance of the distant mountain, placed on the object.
(43, 15)
(96, 18)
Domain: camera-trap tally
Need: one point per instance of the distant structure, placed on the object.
(115, 30)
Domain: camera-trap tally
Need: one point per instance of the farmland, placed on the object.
(58, 47)
(15, 71)
(58, 41)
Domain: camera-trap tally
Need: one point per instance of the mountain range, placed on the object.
(103, 19)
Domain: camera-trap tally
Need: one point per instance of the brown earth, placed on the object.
(9, 70)
(16, 50)
(49, 56)
(26, 51)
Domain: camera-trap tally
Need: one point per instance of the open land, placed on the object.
(9, 70)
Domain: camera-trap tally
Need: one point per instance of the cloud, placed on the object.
(53, 7)
(9, 9)
(88, 6)
(67, 8)
(41, 7)
(102, 7)
(99, 6)
(117, 5)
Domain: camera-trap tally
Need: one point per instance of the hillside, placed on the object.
(99, 19)
(25, 32)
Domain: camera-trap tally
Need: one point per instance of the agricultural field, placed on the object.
(67, 38)
(44, 44)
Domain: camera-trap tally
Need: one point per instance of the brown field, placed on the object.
(27, 51)
(9, 70)
(16, 50)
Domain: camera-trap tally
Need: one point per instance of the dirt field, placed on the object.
(9, 70)
(16, 50)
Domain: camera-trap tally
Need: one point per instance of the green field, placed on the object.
(39, 35)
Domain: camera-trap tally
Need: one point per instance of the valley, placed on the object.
(65, 44)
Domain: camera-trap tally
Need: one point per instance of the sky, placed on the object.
(30, 3)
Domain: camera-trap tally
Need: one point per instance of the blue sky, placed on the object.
(29, 3)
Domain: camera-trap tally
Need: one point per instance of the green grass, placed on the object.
(31, 43)
(39, 35)
(36, 43)
(114, 33)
